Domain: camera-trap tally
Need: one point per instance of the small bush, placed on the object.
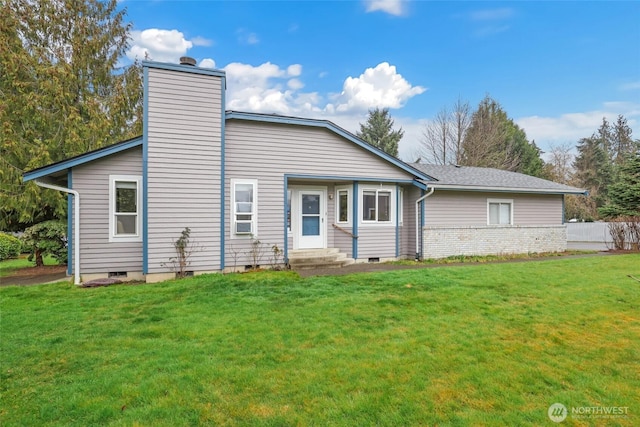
(46, 238)
(10, 246)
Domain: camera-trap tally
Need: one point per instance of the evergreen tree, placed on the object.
(624, 193)
(494, 140)
(622, 143)
(378, 131)
(63, 93)
(594, 169)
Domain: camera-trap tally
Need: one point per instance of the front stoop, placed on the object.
(307, 259)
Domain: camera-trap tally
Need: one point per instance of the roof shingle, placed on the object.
(485, 179)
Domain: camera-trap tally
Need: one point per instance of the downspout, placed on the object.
(419, 250)
(76, 225)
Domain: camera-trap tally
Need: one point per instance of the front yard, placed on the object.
(472, 345)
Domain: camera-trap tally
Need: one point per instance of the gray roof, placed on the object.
(489, 179)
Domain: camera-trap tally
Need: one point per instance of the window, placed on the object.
(343, 206)
(499, 212)
(124, 208)
(244, 218)
(376, 206)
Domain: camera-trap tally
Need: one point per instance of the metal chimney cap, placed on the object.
(187, 60)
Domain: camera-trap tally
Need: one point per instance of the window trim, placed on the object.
(254, 213)
(500, 201)
(113, 236)
(338, 190)
(400, 205)
(392, 206)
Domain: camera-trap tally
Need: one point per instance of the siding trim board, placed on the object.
(285, 207)
(354, 242)
(145, 172)
(222, 175)
(350, 178)
(183, 68)
(70, 214)
(397, 220)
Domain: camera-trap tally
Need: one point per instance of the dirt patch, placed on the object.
(35, 275)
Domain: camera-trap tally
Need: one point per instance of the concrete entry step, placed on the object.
(306, 259)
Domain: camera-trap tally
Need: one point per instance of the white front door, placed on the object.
(311, 219)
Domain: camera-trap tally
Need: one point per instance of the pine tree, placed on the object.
(378, 131)
(63, 93)
(624, 193)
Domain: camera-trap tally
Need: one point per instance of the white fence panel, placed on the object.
(588, 235)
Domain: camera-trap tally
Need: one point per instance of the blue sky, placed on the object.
(556, 67)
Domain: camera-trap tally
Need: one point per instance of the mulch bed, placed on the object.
(35, 275)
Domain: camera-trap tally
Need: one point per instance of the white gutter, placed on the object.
(460, 187)
(419, 250)
(76, 225)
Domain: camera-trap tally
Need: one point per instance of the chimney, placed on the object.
(187, 60)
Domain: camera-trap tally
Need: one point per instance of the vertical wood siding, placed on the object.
(184, 165)
(91, 180)
(268, 151)
(470, 208)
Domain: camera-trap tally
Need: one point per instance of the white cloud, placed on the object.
(262, 88)
(571, 127)
(159, 45)
(295, 84)
(380, 87)
(294, 70)
(491, 14)
(201, 41)
(207, 63)
(247, 37)
(392, 7)
(491, 21)
(630, 86)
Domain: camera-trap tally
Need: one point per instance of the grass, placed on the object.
(9, 267)
(473, 345)
(458, 259)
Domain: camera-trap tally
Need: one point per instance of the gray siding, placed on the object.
(470, 208)
(184, 165)
(376, 242)
(91, 180)
(408, 230)
(268, 151)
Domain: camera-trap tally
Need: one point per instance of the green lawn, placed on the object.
(472, 345)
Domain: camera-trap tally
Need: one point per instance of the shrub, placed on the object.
(46, 238)
(10, 246)
(625, 232)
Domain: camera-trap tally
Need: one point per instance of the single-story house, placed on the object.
(306, 186)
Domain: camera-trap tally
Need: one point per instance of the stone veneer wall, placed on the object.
(441, 242)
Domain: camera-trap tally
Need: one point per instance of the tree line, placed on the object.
(606, 164)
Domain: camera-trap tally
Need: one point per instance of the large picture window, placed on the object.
(376, 205)
(244, 200)
(499, 212)
(125, 208)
